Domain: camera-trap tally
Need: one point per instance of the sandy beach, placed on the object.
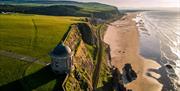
(123, 38)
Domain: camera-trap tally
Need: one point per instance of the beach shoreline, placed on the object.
(123, 38)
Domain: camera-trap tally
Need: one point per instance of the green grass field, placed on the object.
(24, 76)
(33, 35)
(11, 70)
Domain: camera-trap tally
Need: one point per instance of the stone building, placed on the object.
(61, 59)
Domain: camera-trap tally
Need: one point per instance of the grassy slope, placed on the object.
(87, 6)
(62, 8)
(19, 34)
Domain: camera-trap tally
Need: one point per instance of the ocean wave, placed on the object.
(172, 37)
(165, 28)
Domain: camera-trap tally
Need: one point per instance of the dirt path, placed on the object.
(99, 60)
(21, 57)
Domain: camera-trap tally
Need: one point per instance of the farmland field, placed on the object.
(32, 35)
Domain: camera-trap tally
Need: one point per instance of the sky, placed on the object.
(139, 3)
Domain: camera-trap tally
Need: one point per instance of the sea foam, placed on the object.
(165, 27)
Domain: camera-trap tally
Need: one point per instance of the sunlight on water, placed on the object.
(160, 39)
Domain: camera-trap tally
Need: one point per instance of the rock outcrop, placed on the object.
(117, 80)
(128, 74)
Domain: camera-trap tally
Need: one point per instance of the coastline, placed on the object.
(123, 38)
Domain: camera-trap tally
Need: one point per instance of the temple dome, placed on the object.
(61, 51)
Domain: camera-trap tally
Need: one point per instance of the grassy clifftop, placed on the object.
(33, 35)
(25, 35)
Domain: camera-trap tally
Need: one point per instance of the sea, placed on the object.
(160, 40)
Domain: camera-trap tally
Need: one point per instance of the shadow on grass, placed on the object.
(35, 80)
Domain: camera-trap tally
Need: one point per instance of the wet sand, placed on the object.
(123, 38)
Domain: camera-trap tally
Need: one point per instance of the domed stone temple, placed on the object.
(61, 59)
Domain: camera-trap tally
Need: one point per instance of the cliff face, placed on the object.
(80, 77)
(88, 36)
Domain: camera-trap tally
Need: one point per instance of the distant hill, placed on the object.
(59, 8)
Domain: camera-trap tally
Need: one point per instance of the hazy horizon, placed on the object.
(139, 3)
